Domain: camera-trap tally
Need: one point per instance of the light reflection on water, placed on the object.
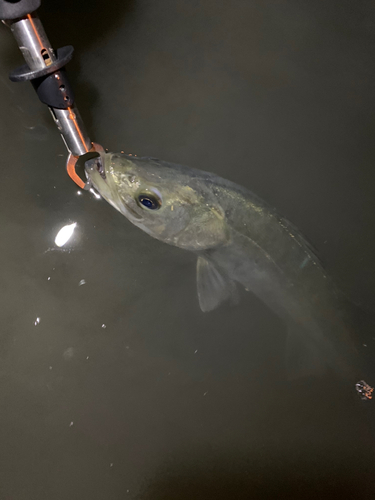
(185, 405)
(64, 234)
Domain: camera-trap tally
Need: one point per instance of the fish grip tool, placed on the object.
(45, 69)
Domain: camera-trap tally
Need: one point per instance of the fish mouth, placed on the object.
(104, 185)
(88, 183)
(95, 164)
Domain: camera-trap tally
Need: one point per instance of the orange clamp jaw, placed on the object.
(71, 166)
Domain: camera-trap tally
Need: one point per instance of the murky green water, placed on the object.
(123, 388)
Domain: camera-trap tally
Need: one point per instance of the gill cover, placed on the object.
(205, 229)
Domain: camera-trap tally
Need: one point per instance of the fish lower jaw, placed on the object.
(130, 213)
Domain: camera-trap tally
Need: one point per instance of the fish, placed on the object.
(239, 240)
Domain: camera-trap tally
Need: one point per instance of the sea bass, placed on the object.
(238, 239)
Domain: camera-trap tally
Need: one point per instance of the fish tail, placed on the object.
(311, 353)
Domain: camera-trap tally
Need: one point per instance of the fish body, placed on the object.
(238, 239)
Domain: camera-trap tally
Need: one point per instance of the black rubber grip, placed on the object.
(55, 90)
(13, 9)
(24, 73)
(50, 83)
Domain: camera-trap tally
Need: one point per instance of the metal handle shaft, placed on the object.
(44, 67)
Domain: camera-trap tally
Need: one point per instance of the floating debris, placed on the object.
(71, 424)
(104, 326)
(82, 282)
(68, 353)
(37, 321)
(364, 390)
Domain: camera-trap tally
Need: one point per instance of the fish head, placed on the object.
(169, 202)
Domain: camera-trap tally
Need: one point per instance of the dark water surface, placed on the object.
(166, 402)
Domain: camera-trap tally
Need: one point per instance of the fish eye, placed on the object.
(149, 201)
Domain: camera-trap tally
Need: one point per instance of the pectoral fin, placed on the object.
(213, 286)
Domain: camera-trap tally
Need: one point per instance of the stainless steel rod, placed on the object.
(32, 41)
(38, 54)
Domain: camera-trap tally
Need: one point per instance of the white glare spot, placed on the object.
(71, 423)
(64, 235)
(97, 195)
(104, 326)
(37, 321)
(79, 192)
(49, 277)
(82, 282)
